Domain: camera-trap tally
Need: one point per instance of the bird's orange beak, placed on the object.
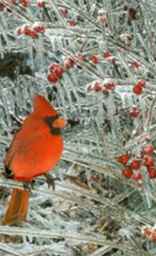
(59, 123)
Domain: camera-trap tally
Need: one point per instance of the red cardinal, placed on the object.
(36, 148)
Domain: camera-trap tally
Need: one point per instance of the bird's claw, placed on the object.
(28, 185)
(50, 180)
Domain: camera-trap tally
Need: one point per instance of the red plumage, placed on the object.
(36, 148)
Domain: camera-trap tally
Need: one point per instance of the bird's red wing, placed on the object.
(36, 155)
(31, 124)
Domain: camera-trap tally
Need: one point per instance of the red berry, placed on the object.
(40, 3)
(148, 160)
(132, 13)
(150, 233)
(63, 11)
(94, 59)
(72, 23)
(52, 78)
(107, 54)
(110, 86)
(25, 3)
(38, 27)
(148, 149)
(127, 172)
(52, 66)
(134, 112)
(138, 89)
(153, 235)
(56, 69)
(102, 19)
(33, 34)
(135, 65)
(22, 30)
(151, 172)
(123, 159)
(147, 231)
(135, 164)
(28, 31)
(68, 63)
(25, 29)
(141, 83)
(137, 176)
(109, 57)
(97, 87)
(80, 57)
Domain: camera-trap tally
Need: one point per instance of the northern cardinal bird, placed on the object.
(36, 148)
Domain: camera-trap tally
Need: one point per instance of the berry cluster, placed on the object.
(132, 166)
(55, 72)
(31, 30)
(107, 55)
(98, 86)
(7, 6)
(64, 13)
(75, 60)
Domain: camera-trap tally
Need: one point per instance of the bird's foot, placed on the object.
(28, 185)
(50, 180)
